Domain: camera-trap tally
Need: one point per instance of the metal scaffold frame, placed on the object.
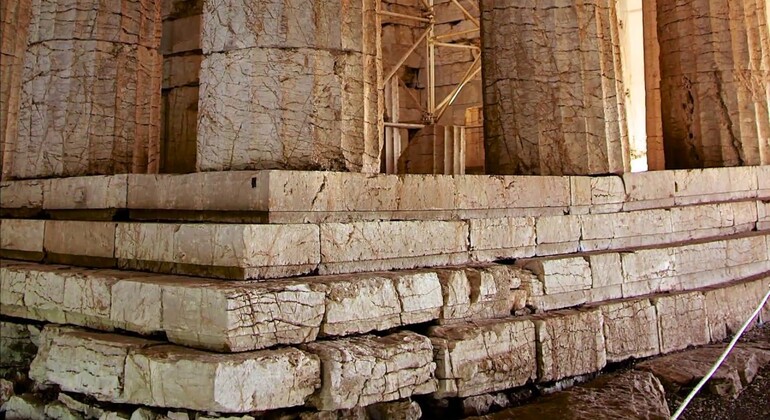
(434, 109)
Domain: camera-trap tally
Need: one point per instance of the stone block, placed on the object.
(80, 239)
(128, 370)
(494, 239)
(715, 184)
(727, 308)
(25, 407)
(25, 194)
(630, 330)
(86, 192)
(228, 251)
(559, 300)
(763, 215)
(473, 294)
(763, 181)
(606, 270)
(558, 234)
(365, 370)
(171, 376)
(240, 317)
(569, 343)
(647, 190)
(420, 296)
(22, 236)
(682, 321)
(622, 230)
(561, 275)
(474, 192)
(17, 346)
(372, 246)
(483, 356)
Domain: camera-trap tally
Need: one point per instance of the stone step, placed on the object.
(315, 197)
(257, 251)
(243, 316)
(327, 375)
(567, 281)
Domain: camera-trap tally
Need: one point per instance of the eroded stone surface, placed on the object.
(365, 370)
(682, 321)
(17, 346)
(630, 330)
(538, 127)
(569, 343)
(483, 356)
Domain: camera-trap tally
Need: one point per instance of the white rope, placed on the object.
(721, 358)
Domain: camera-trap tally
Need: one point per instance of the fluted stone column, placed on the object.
(289, 85)
(14, 28)
(90, 97)
(715, 82)
(553, 94)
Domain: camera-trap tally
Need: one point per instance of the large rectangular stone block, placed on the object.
(86, 193)
(494, 239)
(483, 356)
(129, 370)
(569, 343)
(372, 246)
(622, 230)
(365, 370)
(630, 330)
(22, 238)
(227, 251)
(475, 294)
(561, 275)
(682, 321)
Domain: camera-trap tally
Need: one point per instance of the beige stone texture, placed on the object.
(763, 181)
(89, 192)
(17, 346)
(682, 321)
(232, 318)
(621, 230)
(714, 82)
(162, 376)
(695, 222)
(14, 31)
(474, 294)
(559, 300)
(493, 239)
(22, 235)
(26, 194)
(84, 239)
(649, 189)
(604, 194)
(484, 356)
(230, 251)
(69, 124)
(365, 370)
(359, 305)
(314, 101)
(763, 215)
(606, 270)
(123, 369)
(371, 246)
(25, 407)
(512, 191)
(561, 275)
(715, 184)
(569, 343)
(558, 234)
(630, 330)
(727, 308)
(553, 110)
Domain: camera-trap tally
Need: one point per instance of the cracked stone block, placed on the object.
(373, 246)
(727, 308)
(622, 230)
(550, 302)
(618, 396)
(229, 251)
(17, 346)
(569, 343)
(535, 126)
(606, 270)
(716, 118)
(630, 330)
(73, 83)
(494, 239)
(693, 222)
(682, 321)
(244, 317)
(365, 370)
(647, 190)
(763, 215)
(23, 194)
(127, 370)
(313, 101)
(561, 275)
(19, 235)
(86, 192)
(483, 356)
(513, 191)
(474, 294)
(24, 407)
(558, 234)
(58, 411)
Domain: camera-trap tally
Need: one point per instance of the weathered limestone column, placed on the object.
(656, 160)
(14, 28)
(90, 98)
(289, 85)
(553, 94)
(715, 82)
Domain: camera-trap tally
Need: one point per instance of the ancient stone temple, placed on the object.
(376, 209)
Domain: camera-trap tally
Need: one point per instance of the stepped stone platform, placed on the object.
(280, 294)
